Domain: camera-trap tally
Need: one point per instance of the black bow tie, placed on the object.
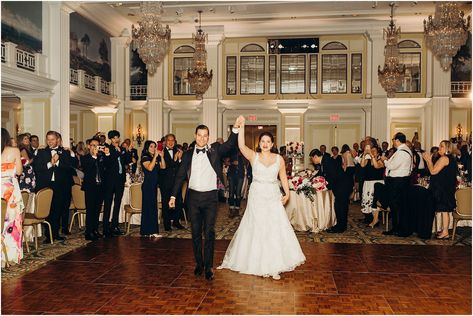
(203, 150)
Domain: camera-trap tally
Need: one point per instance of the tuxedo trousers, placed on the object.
(397, 190)
(113, 192)
(342, 191)
(202, 208)
(93, 204)
(58, 206)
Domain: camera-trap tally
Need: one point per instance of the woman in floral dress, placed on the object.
(12, 233)
(27, 179)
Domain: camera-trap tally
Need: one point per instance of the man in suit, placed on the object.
(236, 175)
(52, 168)
(115, 162)
(133, 153)
(202, 166)
(340, 184)
(172, 157)
(93, 167)
(323, 150)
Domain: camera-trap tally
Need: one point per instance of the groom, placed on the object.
(201, 167)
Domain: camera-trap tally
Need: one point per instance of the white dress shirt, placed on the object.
(203, 177)
(171, 152)
(400, 164)
(50, 165)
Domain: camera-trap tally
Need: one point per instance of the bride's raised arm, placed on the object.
(245, 151)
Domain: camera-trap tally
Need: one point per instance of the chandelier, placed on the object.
(151, 38)
(446, 32)
(199, 77)
(390, 77)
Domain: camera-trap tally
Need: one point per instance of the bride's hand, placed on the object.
(284, 199)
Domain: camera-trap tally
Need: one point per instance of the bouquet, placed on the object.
(308, 183)
(295, 149)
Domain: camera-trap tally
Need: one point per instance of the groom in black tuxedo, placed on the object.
(201, 166)
(339, 182)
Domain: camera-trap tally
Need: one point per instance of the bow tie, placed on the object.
(203, 150)
(55, 148)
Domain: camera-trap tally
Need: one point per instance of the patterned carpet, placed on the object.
(225, 228)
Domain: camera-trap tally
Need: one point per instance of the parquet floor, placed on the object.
(129, 275)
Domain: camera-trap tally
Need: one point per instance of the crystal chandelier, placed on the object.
(199, 77)
(446, 32)
(151, 38)
(390, 77)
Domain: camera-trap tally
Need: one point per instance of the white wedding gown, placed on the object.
(265, 243)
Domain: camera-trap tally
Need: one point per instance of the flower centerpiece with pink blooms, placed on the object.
(295, 149)
(308, 183)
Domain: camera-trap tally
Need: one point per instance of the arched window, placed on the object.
(184, 49)
(252, 48)
(334, 46)
(408, 44)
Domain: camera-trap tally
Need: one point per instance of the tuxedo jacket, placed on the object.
(112, 167)
(90, 166)
(167, 176)
(214, 154)
(62, 172)
(335, 175)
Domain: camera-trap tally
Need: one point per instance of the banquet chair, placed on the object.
(4, 248)
(77, 204)
(42, 205)
(384, 214)
(135, 204)
(463, 210)
(25, 195)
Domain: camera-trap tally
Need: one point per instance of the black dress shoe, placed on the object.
(59, 238)
(96, 233)
(198, 270)
(333, 230)
(91, 237)
(168, 229)
(107, 234)
(66, 232)
(209, 274)
(178, 225)
(117, 232)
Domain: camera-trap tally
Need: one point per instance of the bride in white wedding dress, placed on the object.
(265, 243)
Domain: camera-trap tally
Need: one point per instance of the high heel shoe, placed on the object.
(156, 235)
(373, 225)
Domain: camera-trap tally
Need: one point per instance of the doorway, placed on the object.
(252, 133)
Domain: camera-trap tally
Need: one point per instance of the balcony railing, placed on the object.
(138, 92)
(17, 58)
(104, 86)
(74, 77)
(82, 80)
(89, 82)
(460, 88)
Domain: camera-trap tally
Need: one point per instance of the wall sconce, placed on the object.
(458, 137)
(140, 136)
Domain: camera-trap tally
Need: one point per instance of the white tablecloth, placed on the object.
(315, 216)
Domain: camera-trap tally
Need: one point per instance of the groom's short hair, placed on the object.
(202, 126)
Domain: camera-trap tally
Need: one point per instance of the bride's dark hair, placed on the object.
(258, 149)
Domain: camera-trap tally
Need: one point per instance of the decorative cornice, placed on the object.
(18, 80)
(87, 98)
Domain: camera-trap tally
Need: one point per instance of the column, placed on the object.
(56, 47)
(120, 63)
(440, 103)
(379, 100)
(155, 102)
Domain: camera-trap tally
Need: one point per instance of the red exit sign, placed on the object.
(334, 117)
(251, 117)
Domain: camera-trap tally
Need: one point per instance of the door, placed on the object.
(252, 133)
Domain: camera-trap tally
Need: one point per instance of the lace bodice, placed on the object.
(265, 174)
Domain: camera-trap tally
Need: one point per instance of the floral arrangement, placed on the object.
(308, 183)
(295, 149)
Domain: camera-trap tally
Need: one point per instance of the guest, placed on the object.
(151, 161)
(115, 162)
(384, 149)
(185, 146)
(12, 226)
(443, 184)
(52, 168)
(398, 170)
(338, 159)
(374, 173)
(340, 184)
(323, 150)
(93, 167)
(172, 158)
(133, 153)
(420, 164)
(356, 149)
(27, 180)
(236, 176)
(103, 139)
(34, 141)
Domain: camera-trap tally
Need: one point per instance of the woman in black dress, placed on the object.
(151, 161)
(443, 182)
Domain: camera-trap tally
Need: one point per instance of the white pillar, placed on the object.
(119, 65)
(56, 47)
(155, 103)
(379, 101)
(440, 103)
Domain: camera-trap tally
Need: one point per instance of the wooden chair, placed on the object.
(135, 204)
(463, 210)
(78, 204)
(384, 214)
(4, 214)
(42, 207)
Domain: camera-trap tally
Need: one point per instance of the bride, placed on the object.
(265, 243)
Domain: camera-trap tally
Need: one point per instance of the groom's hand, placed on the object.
(172, 202)
(239, 121)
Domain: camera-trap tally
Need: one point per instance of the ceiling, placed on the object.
(260, 18)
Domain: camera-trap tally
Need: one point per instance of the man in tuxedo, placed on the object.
(133, 153)
(323, 150)
(115, 162)
(34, 144)
(93, 167)
(172, 157)
(52, 168)
(339, 182)
(202, 166)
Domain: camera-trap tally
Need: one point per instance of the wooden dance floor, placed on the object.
(129, 275)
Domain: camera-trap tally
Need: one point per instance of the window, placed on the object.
(293, 74)
(184, 49)
(411, 80)
(313, 73)
(334, 46)
(408, 44)
(231, 75)
(181, 85)
(252, 75)
(252, 48)
(334, 73)
(272, 74)
(356, 73)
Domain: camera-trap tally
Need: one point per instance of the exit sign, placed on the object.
(334, 117)
(251, 117)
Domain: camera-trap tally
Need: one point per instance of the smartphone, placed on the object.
(100, 148)
(160, 146)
